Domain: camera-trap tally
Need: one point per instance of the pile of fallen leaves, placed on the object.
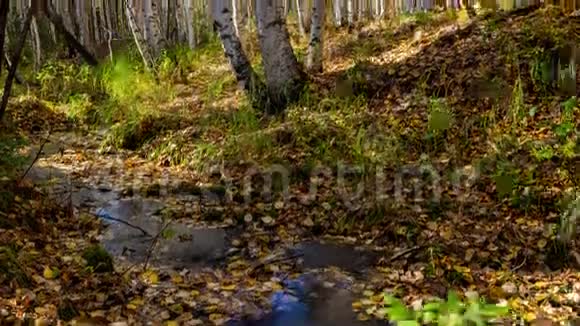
(31, 115)
(43, 272)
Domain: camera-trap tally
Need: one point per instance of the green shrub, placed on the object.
(11, 160)
(98, 259)
(452, 312)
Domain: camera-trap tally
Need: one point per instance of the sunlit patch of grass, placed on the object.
(365, 48)
(139, 127)
(517, 108)
(441, 120)
(60, 80)
(313, 130)
(203, 155)
(127, 85)
(217, 88)
(80, 108)
(175, 64)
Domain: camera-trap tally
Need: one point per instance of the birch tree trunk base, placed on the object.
(247, 78)
(284, 78)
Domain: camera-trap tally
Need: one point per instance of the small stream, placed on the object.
(197, 248)
(134, 222)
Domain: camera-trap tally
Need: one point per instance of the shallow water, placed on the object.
(185, 245)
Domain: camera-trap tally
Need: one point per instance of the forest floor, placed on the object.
(431, 155)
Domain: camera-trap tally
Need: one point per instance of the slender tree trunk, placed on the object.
(235, 16)
(314, 58)
(249, 12)
(337, 12)
(17, 77)
(83, 36)
(70, 38)
(284, 78)
(138, 36)
(4, 9)
(245, 74)
(163, 17)
(152, 31)
(96, 32)
(350, 12)
(36, 44)
(300, 17)
(17, 55)
(181, 18)
(189, 21)
(307, 10)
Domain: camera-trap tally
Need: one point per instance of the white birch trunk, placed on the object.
(337, 12)
(300, 17)
(36, 44)
(180, 14)
(245, 74)
(138, 36)
(235, 16)
(284, 77)
(307, 10)
(350, 12)
(314, 59)
(191, 38)
(152, 31)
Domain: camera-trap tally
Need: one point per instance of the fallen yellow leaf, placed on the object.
(230, 287)
(50, 273)
(151, 277)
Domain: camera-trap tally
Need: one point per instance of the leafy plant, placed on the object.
(543, 153)
(452, 312)
(569, 219)
(98, 259)
(517, 112)
(568, 108)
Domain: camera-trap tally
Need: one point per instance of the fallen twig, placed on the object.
(110, 218)
(403, 253)
(519, 266)
(274, 259)
(152, 246)
(35, 158)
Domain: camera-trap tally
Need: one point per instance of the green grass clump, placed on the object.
(11, 269)
(11, 159)
(98, 259)
(59, 80)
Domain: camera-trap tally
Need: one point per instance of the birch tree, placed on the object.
(4, 9)
(191, 37)
(314, 58)
(300, 17)
(337, 6)
(247, 78)
(138, 36)
(350, 11)
(235, 16)
(36, 47)
(284, 78)
(180, 20)
(153, 35)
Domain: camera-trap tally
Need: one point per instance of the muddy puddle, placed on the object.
(177, 245)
